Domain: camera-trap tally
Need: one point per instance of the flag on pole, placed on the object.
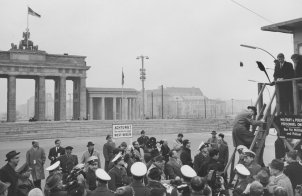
(31, 12)
(123, 77)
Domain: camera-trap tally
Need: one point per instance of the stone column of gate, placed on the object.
(11, 98)
(125, 109)
(60, 98)
(40, 98)
(130, 108)
(134, 109)
(90, 108)
(103, 108)
(83, 108)
(114, 108)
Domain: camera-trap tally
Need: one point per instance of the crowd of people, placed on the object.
(149, 167)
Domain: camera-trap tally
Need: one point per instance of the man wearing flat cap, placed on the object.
(108, 148)
(138, 171)
(241, 129)
(118, 173)
(8, 174)
(278, 178)
(67, 162)
(102, 178)
(90, 152)
(284, 70)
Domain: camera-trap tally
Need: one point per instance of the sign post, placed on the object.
(122, 131)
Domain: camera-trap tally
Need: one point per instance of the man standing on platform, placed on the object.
(56, 152)
(35, 158)
(108, 151)
(284, 70)
(241, 129)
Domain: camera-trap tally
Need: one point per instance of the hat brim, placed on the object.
(7, 159)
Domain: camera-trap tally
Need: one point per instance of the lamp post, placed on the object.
(176, 107)
(254, 47)
(143, 77)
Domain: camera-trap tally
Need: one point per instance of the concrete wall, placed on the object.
(61, 129)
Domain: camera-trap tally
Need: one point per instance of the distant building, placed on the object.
(189, 103)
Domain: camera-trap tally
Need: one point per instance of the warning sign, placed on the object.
(291, 126)
(119, 131)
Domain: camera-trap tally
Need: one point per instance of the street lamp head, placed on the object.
(138, 57)
(247, 46)
(147, 57)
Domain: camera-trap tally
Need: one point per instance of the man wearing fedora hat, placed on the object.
(90, 152)
(8, 174)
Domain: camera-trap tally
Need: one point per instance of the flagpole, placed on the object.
(122, 94)
(27, 30)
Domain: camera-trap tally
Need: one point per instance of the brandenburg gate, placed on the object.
(25, 61)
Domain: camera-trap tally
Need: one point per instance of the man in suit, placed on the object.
(56, 152)
(284, 70)
(143, 140)
(67, 162)
(108, 148)
(173, 166)
(185, 156)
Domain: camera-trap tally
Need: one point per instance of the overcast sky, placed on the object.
(190, 43)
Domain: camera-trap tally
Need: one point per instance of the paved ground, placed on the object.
(79, 145)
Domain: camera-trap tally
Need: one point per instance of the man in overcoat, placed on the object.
(108, 148)
(241, 129)
(35, 158)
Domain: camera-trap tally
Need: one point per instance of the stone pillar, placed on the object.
(125, 101)
(11, 99)
(79, 98)
(83, 102)
(90, 108)
(103, 108)
(114, 108)
(60, 98)
(40, 98)
(130, 109)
